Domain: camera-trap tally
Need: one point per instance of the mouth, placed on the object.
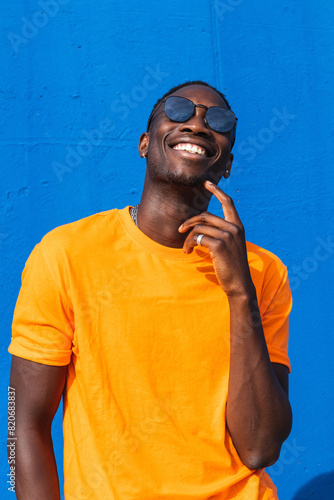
(190, 149)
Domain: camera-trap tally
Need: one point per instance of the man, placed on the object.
(164, 330)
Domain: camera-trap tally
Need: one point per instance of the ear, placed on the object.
(144, 140)
(228, 167)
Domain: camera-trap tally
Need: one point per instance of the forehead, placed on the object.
(201, 94)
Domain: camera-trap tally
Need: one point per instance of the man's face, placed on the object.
(168, 163)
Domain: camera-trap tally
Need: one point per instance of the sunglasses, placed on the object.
(181, 109)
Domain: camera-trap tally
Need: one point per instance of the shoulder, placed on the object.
(270, 278)
(80, 233)
(76, 241)
(268, 272)
(262, 260)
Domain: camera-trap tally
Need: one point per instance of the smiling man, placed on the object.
(165, 331)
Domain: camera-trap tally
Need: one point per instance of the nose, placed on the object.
(196, 124)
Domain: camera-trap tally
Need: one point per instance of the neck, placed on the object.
(164, 207)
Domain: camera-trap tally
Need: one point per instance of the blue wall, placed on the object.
(78, 80)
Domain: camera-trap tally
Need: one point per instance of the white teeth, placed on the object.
(191, 148)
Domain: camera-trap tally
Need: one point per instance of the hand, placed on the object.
(225, 240)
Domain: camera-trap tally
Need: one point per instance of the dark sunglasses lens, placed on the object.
(220, 119)
(178, 109)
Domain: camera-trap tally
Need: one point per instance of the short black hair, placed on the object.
(186, 84)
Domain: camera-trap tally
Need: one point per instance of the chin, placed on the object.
(183, 179)
(179, 176)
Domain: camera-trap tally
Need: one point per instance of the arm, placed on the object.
(38, 389)
(258, 411)
(259, 415)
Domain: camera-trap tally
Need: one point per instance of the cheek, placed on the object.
(159, 137)
(224, 148)
(156, 146)
(224, 141)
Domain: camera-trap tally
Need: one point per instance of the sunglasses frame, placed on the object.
(193, 113)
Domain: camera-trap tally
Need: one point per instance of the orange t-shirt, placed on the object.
(144, 330)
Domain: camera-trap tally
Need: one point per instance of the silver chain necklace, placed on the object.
(134, 214)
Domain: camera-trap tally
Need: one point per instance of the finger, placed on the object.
(207, 241)
(210, 232)
(210, 220)
(230, 212)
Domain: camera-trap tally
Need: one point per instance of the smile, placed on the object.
(190, 148)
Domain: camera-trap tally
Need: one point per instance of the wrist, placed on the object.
(243, 293)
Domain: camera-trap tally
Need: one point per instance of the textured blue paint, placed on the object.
(69, 76)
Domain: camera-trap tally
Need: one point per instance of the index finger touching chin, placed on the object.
(230, 212)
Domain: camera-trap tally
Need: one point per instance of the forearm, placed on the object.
(258, 409)
(36, 470)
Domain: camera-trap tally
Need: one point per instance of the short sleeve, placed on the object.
(275, 307)
(42, 329)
